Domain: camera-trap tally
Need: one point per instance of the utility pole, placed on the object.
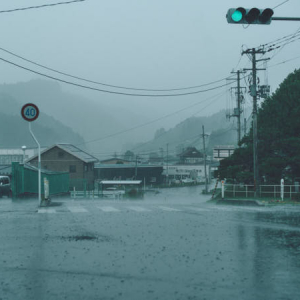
(238, 111)
(167, 163)
(136, 162)
(253, 93)
(204, 154)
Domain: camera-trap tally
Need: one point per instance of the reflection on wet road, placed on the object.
(171, 245)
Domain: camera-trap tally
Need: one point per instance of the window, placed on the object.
(72, 169)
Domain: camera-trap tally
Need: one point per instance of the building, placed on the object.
(151, 174)
(115, 160)
(9, 155)
(191, 156)
(69, 158)
(195, 172)
(223, 151)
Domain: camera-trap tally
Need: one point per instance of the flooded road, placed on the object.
(171, 245)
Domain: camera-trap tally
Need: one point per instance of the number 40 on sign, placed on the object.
(30, 112)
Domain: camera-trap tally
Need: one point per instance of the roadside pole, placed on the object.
(223, 189)
(282, 189)
(30, 113)
(204, 155)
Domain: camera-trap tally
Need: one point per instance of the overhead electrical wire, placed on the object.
(112, 92)
(144, 124)
(185, 108)
(106, 84)
(285, 61)
(281, 4)
(40, 6)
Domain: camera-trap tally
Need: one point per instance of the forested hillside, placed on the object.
(188, 133)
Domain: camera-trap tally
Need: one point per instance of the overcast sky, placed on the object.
(143, 44)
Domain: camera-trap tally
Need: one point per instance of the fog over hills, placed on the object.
(93, 120)
(101, 127)
(14, 131)
(188, 133)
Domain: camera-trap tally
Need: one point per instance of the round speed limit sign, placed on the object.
(30, 112)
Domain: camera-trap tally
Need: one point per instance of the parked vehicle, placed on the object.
(5, 186)
(187, 180)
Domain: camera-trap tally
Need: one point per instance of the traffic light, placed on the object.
(254, 15)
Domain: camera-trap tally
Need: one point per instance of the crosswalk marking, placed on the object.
(138, 208)
(108, 209)
(77, 209)
(90, 209)
(46, 211)
(168, 208)
(198, 209)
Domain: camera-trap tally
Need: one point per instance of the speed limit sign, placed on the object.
(30, 112)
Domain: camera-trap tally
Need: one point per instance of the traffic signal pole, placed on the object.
(254, 16)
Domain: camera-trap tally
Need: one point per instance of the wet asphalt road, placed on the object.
(172, 245)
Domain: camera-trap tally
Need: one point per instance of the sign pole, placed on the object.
(39, 163)
(30, 113)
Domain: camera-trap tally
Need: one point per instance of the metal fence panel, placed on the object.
(25, 181)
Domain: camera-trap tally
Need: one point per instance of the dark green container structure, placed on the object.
(25, 181)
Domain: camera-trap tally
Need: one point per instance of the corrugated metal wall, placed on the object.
(25, 181)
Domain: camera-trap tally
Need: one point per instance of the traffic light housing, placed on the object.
(253, 15)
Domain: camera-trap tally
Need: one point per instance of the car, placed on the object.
(187, 180)
(5, 186)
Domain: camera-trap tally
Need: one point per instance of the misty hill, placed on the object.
(14, 130)
(188, 133)
(94, 120)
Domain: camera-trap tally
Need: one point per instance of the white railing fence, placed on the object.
(291, 192)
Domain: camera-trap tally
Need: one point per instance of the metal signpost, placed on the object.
(30, 113)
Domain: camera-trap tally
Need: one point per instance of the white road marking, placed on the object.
(77, 209)
(168, 208)
(46, 211)
(108, 209)
(198, 208)
(138, 208)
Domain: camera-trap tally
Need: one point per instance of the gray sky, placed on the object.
(144, 44)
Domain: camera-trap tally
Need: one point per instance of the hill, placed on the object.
(95, 121)
(14, 131)
(188, 133)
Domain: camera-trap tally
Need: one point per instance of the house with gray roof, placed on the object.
(68, 158)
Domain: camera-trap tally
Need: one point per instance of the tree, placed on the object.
(129, 155)
(278, 138)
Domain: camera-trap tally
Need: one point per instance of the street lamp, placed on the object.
(23, 148)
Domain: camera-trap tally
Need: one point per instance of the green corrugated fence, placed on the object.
(25, 181)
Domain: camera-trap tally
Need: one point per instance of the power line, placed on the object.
(39, 6)
(285, 61)
(106, 84)
(112, 92)
(281, 4)
(142, 125)
(190, 106)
